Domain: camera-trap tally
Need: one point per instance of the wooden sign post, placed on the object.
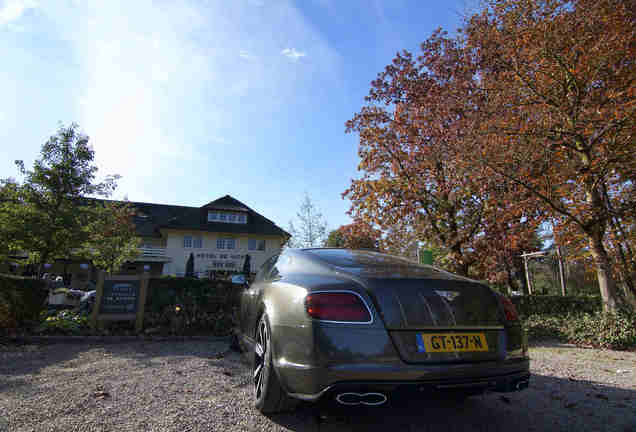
(120, 298)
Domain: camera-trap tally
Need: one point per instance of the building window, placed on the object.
(255, 244)
(197, 242)
(225, 243)
(187, 241)
(227, 217)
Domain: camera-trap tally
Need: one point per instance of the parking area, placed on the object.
(192, 386)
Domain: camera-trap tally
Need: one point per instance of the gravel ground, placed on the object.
(191, 386)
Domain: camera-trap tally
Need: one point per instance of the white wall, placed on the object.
(179, 254)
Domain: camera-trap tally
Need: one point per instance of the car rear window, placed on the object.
(359, 258)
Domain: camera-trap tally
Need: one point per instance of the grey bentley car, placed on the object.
(360, 327)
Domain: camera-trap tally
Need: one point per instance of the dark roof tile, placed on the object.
(150, 218)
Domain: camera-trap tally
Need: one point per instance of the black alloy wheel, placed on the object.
(260, 352)
(270, 396)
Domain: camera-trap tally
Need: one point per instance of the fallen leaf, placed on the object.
(101, 394)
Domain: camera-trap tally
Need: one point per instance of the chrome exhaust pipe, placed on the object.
(369, 399)
(523, 384)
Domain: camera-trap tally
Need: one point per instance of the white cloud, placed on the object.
(12, 10)
(293, 54)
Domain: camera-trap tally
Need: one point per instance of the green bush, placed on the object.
(556, 305)
(540, 327)
(602, 330)
(21, 301)
(63, 323)
(191, 306)
(598, 329)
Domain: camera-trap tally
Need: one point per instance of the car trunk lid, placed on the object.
(449, 310)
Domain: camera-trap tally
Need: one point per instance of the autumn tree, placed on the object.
(356, 235)
(310, 229)
(335, 239)
(500, 247)
(558, 112)
(416, 125)
(402, 240)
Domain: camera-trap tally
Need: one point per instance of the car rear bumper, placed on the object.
(436, 388)
(312, 384)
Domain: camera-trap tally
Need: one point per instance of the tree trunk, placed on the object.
(459, 264)
(603, 272)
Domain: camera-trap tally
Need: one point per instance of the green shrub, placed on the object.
(598, 329)
(21, 301)
(556, 305)
(540, 327)
(602, 329)
(191, 306)
(63, 323)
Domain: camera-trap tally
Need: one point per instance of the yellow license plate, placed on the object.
(451, 342)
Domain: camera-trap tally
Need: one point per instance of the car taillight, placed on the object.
(337, 306)
(509, 309)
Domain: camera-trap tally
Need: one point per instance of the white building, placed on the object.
(219, 235)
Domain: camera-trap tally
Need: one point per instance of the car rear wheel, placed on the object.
(270, 396)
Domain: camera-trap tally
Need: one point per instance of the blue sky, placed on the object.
(192, 100)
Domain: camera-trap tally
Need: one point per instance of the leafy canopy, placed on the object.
(49, 214)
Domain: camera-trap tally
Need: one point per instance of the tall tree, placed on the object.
(47, 213)
(402, 240)
(558, 113)
(356, 235)
(415, 127)
(310, 229)
(8, 198)
(111, 236)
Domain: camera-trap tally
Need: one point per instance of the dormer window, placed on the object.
(227, 217)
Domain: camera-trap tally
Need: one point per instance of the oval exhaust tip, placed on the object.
(369, 399)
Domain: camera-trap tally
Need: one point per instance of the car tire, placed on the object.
(270, 397)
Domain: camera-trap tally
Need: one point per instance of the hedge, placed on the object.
(599, 329)
(556, 305)
(21, 301)
(191, 306)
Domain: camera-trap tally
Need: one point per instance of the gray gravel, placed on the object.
(187, 386)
